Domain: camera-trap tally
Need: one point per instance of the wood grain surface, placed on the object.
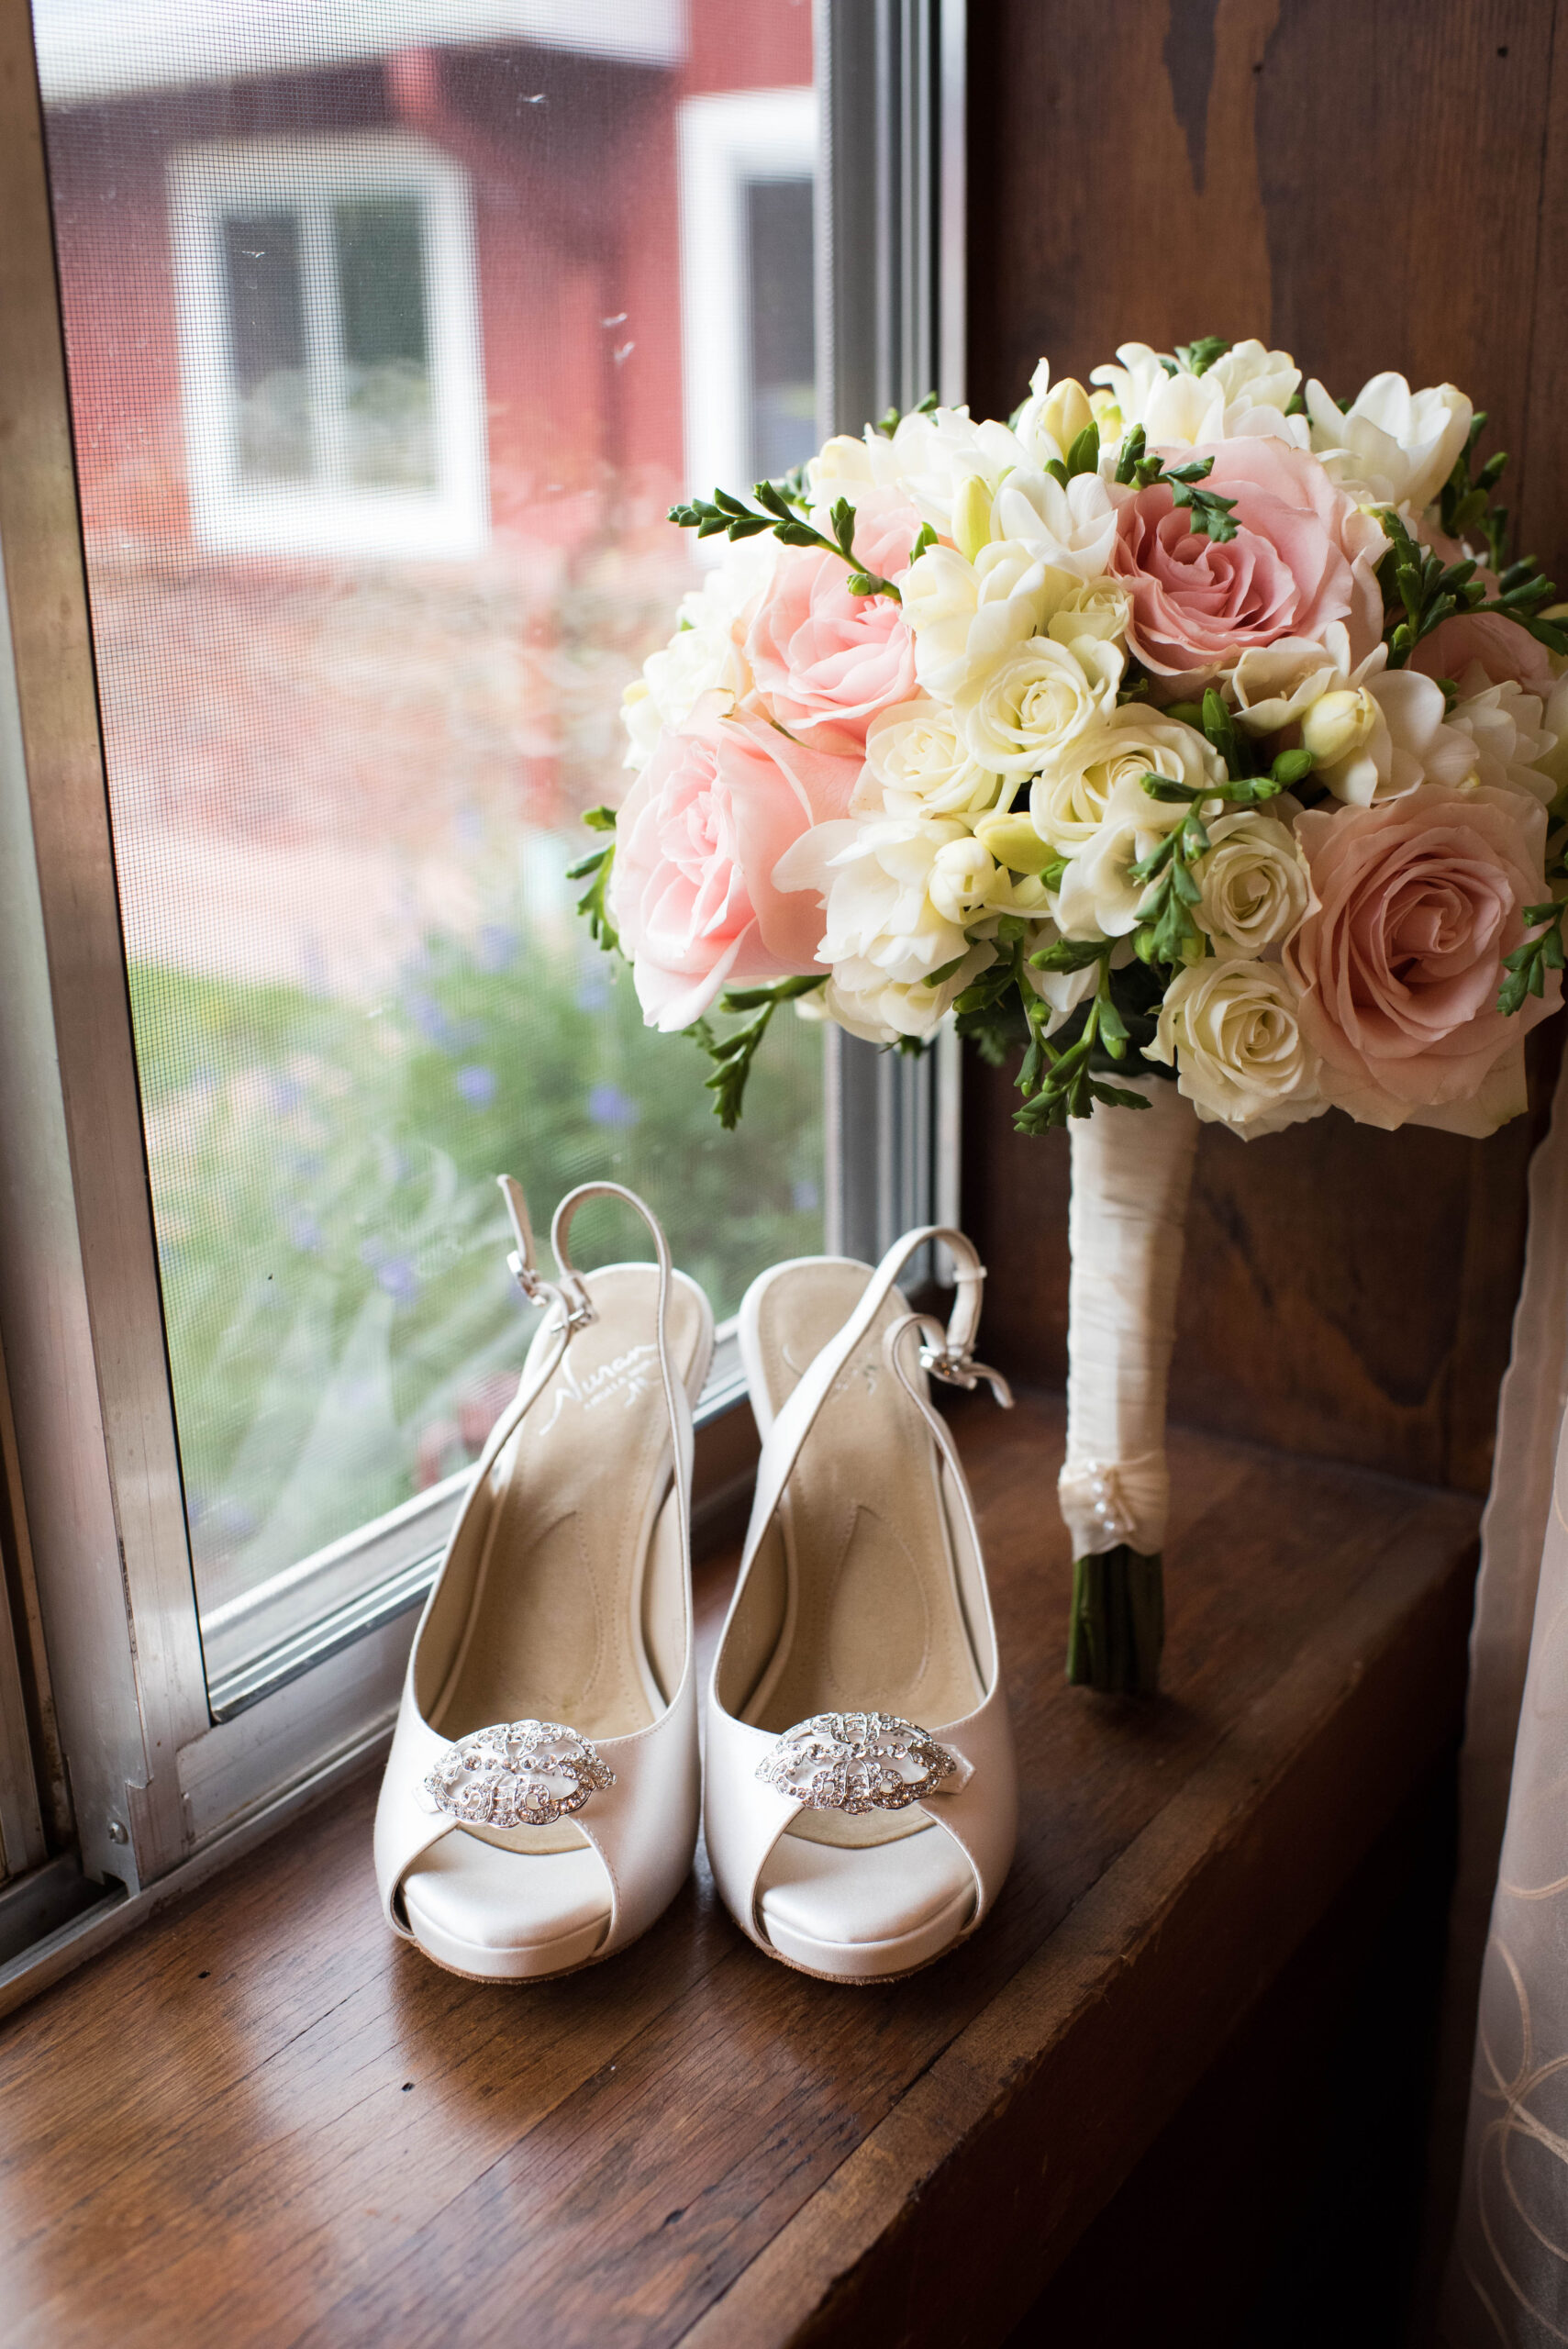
(1370, 183)
(263, 2122)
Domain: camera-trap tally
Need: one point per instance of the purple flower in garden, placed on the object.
(593, 993)
(609, 1106)
(396, 1275)
(496, 947)
(303, 1229)
(287, 1094)
(477, 1085)
(427, 1016)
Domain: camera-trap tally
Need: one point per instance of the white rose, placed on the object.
(1036, 701)
(917, 764)
(1255, 886)
(1397, 445)
(1503, 726)
(1097, 608)
(1231, 1032)
(1100, 895)
(965, 617)
(1067, 529)
(1069, 798)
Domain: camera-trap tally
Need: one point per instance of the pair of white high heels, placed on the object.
(539, 1806)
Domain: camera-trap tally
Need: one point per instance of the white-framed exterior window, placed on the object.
(748, 166)
(329, 353)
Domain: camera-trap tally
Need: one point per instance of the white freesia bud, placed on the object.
(1015, 842)
(1065, 412)
(1337, 723)
(1255, 886)
(964, 875)
(1037, 701)
(916, 764)
(1231, 1029)
(972, 517)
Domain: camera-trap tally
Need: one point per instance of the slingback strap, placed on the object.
(577, 1302)
(631, 1798)
(951, 1352)
(752, 1794)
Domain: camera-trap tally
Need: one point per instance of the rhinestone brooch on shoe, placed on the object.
(856, 1762)
(519, 1774)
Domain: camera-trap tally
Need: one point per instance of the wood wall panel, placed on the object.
(1370, 184)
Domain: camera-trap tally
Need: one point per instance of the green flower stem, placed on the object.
(1117, 1625)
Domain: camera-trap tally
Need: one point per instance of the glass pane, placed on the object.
(379, 275)
(783, 333)
(264, 312)
(376, 363)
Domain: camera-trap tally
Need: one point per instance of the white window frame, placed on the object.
(232, 515)
(160, 1792)
(728, 143)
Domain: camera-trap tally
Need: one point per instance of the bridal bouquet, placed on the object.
(1191, 735)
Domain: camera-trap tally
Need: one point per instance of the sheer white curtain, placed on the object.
(1507, 2271)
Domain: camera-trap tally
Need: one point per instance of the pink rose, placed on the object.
(701, 830)
(1303, 556)
(826, 660)
(1504, 648)
(1399, 956)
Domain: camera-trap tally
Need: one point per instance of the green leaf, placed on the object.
(1084, 457)
(1198, 357)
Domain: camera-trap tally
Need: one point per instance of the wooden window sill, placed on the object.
(262, 2122)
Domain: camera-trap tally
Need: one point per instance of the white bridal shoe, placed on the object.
(539, 1807)
(861, 1800)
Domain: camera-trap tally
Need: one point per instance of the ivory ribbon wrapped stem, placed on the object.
(1132, 1172)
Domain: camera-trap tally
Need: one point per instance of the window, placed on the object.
(329, 351)
(390, 332)
(747, 284)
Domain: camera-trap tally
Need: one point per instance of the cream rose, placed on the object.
(1254, 886)
(1069, 798)
(1036, 701)
(917, 764)
(1232, 1033)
